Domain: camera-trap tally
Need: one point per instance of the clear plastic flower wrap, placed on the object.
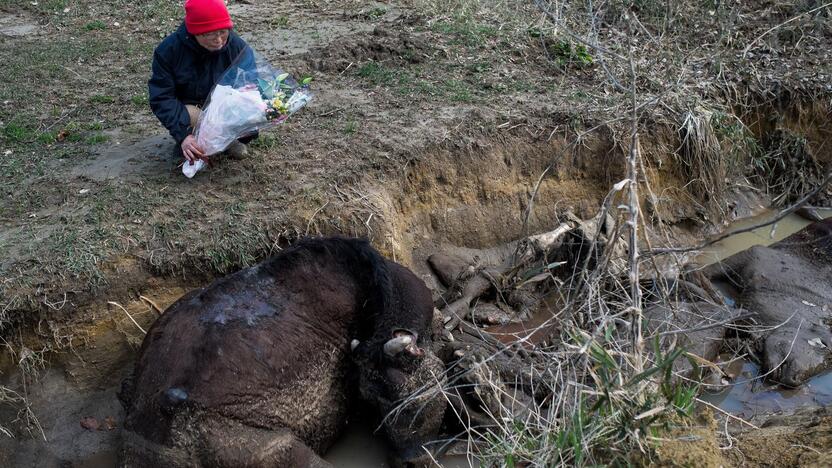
(250, 96)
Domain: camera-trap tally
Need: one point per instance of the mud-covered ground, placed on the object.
(434, 123)
(799, 439)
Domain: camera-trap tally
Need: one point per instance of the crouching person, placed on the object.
(186, 66)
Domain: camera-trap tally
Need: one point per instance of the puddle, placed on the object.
(59, 407)
(761, 236)
(750, 395)
(534, 330)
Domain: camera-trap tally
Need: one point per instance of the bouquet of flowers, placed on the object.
(249, 97)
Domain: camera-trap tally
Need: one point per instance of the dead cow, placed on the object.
(258, 368)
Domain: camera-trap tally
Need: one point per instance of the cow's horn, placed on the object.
(398, 344)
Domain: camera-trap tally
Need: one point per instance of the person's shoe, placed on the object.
(237, 150)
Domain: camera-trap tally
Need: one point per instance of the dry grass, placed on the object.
(788, 167)
(702, 161)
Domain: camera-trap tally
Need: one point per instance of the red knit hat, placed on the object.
(202, 16)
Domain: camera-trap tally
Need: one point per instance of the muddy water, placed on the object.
(748, 394)
(761, 236)
(534, 330)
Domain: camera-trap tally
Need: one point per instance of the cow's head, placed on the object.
(403, 379)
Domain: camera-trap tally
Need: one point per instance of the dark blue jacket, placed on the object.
(184, 72)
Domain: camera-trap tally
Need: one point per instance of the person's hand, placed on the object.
(191, 150)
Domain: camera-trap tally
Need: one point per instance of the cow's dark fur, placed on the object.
(256, 369)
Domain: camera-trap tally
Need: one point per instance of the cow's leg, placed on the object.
(229, 444)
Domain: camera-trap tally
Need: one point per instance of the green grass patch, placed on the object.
(233, 246)
(96, 138)
(376, 73)
(608, 424)
(478, 67)
(95, 25)
(403, 81)
(350, 127)
(458, 91)
(18, 131)
(279, 22)
(267, 142)
(77, 253)
(102, 99)
(565, 53)
(163, 10)
(53, 5)
(374, 13)
(425, 88)
(46, 138)
(236, 208)
(466, 33)
(737, 142)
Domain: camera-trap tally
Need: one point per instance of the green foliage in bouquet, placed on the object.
(276, 94)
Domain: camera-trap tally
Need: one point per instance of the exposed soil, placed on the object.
(800, 439)
(430, 130)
